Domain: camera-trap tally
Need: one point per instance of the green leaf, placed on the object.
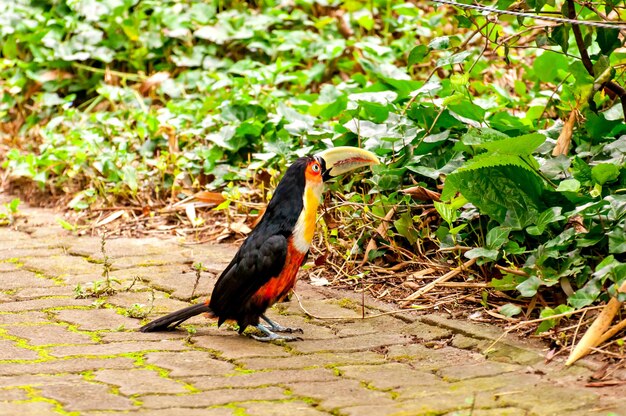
(377, 113)
(509, 310)
(13, 205)
(547, 217)
(479, 136)
(406, 227)
(418, 54)
(608, 40)
(581, 171)
(568, 185)
(560, 36)
(66, 225)
(467, 109)
(551, 323)
(457, 58)
(130, 177)
(440, 43)
(366, 21)
(508, 282)
(605, 172)
(528, 288)
(586, 295)
(497, 237)
(480, 252)
(548, 65)
(617, 239)
(520, 146)
(447, 211)
(502, 192)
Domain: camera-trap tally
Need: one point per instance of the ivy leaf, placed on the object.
(510, 310)
(479, 252)
(418, 54)
(608, 40)
(447, 211)
(457, 58)
(548, 216)
(568, 185)
(560, 36)
(617, 239)
(440, 43)
(130, 177)
(528, 288)
(605, 172)
(581, 171)
(406, 228)
(497, 237)
(551, 323)
(508, 282)
(548, 65)
(377, 113)
(482, 135)
(334, 109)
(586, 295)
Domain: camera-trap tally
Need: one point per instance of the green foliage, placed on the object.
(11, 210)
(120, 100)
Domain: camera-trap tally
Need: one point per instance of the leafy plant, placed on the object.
(11, 211)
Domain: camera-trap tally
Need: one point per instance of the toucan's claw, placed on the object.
(276, 327)
(271, 336)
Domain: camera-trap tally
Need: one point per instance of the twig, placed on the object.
(441, 279)
(612, 331)
(512, 271)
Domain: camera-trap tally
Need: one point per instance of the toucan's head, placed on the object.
(298, 194)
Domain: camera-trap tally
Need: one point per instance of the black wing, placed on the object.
(256, 262)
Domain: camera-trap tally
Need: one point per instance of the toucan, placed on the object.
(264, 269)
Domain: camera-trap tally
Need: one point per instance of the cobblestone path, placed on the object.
(83, 356)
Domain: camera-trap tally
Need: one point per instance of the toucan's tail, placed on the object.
(174, 319)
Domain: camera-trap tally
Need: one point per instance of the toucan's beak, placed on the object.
(340, 160)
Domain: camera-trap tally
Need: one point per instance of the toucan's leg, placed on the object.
(271, 336)
(276, 327)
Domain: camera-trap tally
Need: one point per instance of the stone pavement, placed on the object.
(60, 354)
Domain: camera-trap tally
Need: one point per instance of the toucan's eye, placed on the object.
(315, 167)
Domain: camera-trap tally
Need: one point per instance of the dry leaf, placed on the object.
(169, 132)
(382, 231)
(321, 260)
(423, 194)
(190, 210)
(576, 221)
(53, 75)
(240, 227)
(153, 80)
(209, 197)
(342, 24)
(319, 281)
(565, 138)
(110, 218)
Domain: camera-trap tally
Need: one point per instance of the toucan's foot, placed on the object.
(271, 336)
(276, 327)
